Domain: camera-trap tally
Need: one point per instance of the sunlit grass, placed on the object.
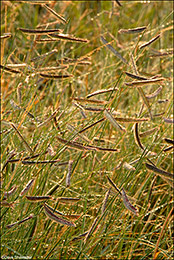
(117, 233)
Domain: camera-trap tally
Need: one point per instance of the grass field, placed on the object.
(74, 124)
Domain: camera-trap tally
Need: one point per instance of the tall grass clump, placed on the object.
(86, 130)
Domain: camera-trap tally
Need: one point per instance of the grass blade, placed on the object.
(38, 31)
(62, 19)
(67, 37)
(112, 120)
(21, 137)
(101, 91)
(127, 203)
(113, 184)
(133, 30)
(20, 222)
(57, 219)
(141, 83)
(149, 42)
(90, 230)
(159, 171)
(113, 50)
(38, 198)
(27, 187)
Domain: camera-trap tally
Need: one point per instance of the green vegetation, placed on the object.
(37, 109)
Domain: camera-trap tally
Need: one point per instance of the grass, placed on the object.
(117, 233)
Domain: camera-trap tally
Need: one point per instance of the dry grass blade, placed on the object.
(148, 132)
(155, 93)
(68, 200)
(159, 171)
(20, 222)
(90, 230)
(72, 216)
(53, 189)
(6, 69)
(68, 176)
(169, 120)
(136, 136)
(101, 91)
(18, 65)
(19, 134)
(96, 139)
(160, 101)
(54, 210)
(168, 148)
(161, 53)
(80, 236)
(133, 76)
(53, 76)
(62, 19)
(129, 167)
(19, 93)
(54, 217)
(38, 31)
(131, 119)
(27, 187)
(113, 50)
(5, 36)
(149, 42)
(103, 148)
(133, 64)
(137, 140)
(45, 162)
(78, 105)
(146, 102)
(127, 203)
(10, 192)
(159, 114)
(169, 141)
(143, 82)
(75, 145)
(70, 61)
(112, 120)
(118, 2)
(46, 40)
(44, 55)
(93, 109)
(93, 101)
(67, 37)
(133, 30)
(51, 69)
(38, 198)
(105, 201)
(113, 184)
(25, 158)
(11, 155)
